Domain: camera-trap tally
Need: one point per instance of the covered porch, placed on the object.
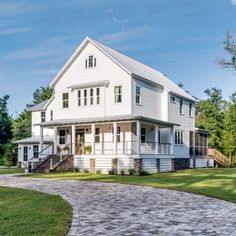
(126, 135)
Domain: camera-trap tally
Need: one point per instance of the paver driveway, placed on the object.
(116, 209)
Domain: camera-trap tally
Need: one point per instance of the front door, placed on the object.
(80, 141)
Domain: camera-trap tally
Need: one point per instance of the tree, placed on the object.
(22, 123)
(229, 132)
(41, 94)
(230, 47)
(210, 115)
(8, 154)
(5, 124)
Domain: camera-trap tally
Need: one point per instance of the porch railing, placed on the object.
(126, 147)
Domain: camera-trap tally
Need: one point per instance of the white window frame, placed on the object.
(43, 116)
(138, 96)
(98, 92)
(85, 97)
(190, 109)
(181, 106)
(179, 137)
(79, 97)
(97, 135)
(173, 98)
(51, 115)
(91, 93)
(65, 101)
(62, 137)
(118, 95)
(143, 135)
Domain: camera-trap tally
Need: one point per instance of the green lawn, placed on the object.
(26, 212)
(219, 183)
(11, 171)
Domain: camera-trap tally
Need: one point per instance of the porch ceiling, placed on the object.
(107, 119)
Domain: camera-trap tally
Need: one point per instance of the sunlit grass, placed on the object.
(219, 183)
(4, 171)
(27, 212)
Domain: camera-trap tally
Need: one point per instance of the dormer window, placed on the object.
(90, 62)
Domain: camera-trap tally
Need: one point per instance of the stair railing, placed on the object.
(37, 156)
(218, 156)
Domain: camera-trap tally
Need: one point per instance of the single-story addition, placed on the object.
(111, 112)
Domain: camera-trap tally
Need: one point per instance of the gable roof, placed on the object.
(130, 65)
(39, 107)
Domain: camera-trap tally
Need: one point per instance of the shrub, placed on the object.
(122, 172)
(111, 172)
(88, 149)
(143, 172)
(8, 155)
(86, 170)
(77, 169)
(98, 172)
(131, 171)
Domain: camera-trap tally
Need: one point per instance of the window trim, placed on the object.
(35, 153)
(85, 97)
(190, 110)
(25, 153)
(97, 135)
(119, 94)
(172, 96)
(139, 96)
(43, 116)
(91, 94)
(65, 100)
(181, 106)
(179, 137)
(79, 97)
(98, 98)
(143, 140)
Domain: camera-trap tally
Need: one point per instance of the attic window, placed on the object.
(90, 62)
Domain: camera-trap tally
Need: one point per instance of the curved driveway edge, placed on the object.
(119, 209)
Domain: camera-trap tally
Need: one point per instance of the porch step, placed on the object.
(219, 157)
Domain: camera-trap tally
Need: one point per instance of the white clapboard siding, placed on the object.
(211, 162)
(103, 163)
(165, 165)
(125, 163)
(82, 162)
(200, 163)
(149, 165)
(191, 163)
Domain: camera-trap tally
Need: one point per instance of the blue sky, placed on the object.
(181, 38)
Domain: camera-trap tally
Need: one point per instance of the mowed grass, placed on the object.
(219, 183)
(26, 212)
(4, 171)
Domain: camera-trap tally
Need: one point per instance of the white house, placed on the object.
(110, 111)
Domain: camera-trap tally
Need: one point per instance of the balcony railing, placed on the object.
(127, 147)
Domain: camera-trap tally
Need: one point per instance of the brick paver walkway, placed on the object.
(117, 209)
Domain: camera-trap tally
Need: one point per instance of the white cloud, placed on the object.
(233, 2)
(9, 9)
(14, 30)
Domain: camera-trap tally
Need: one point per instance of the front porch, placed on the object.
(123, 137)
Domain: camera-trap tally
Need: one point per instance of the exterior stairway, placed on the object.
(220, 158)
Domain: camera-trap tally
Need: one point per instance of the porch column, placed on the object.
(156, 138)
(73, 129)
(55, 140)
(115, 138)
(93, 138)
(41, 141)
(172, 135)
(138, 135)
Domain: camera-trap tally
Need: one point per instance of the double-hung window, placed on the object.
(181, 109)
(138, 95)
(98, 95)
(118, 94)
(79, 98)
(85, 97)
(179, 137)
(172, 98)
(51, 115)
(90, 61)
(97, 135)
(91, 96)
(62, 136)
(65, 100)
(43, 116)
(35, 151)
(190, 109)
(25, 153)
